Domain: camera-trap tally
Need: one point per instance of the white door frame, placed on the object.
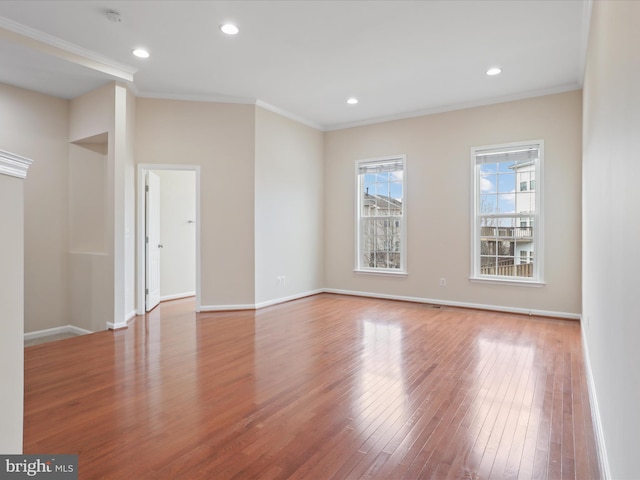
(143, 168)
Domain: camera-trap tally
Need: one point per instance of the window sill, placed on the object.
(508, 281)
(389, 273)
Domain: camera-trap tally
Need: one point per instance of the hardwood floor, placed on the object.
(326, 387)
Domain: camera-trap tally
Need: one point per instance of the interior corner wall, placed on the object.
(611, 230)
(220, 138)
(288, 207)
(439, 201)
(36, 126)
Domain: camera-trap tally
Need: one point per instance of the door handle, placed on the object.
(160, 245)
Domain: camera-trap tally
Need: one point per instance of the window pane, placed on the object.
(505, 245)
(507, 183)
(488, 168)
(488, 183)
(488, 204)
(487, 247)
(507, 203)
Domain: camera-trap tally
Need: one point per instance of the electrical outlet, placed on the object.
(443, 282)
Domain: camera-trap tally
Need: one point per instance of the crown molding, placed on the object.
(29, 37)
(14, 165)
(458, 106)
(227, 99)
(196, 98)
(289, 115)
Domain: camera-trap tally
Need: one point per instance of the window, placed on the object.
(503, 235)
(381, 238)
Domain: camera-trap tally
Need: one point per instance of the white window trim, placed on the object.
(538, 278)
(402, 271)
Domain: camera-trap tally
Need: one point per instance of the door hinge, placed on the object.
(146, 291)
(146, 188)
(146, 239)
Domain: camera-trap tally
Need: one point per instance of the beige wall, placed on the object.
(220, 138)
(36, 126)
(611, 229)
(87, 198)
(89, 307)
(438, 201)
(91, 272)
(11, 314)
(288, 207)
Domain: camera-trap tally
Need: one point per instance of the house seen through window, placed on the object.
(507, 242)
(381, 226)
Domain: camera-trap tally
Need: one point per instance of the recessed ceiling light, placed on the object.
(352, 101)
(141, 53)
(229, 29)
(494, 71)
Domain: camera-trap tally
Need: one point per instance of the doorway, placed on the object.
(162, 248)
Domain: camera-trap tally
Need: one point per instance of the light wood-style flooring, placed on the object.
(326, 387)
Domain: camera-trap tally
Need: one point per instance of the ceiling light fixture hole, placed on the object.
(113, 16)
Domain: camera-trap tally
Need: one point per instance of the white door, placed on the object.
(153, 245)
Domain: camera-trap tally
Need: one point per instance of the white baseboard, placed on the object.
(225, 308)
(603, 459)
(257, 306)
(56, 331)
(276, 301)
(177, 296)
(478, 306)
(449, 303)
(117, 326)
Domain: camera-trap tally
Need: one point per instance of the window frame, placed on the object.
(537, 217)
(359, 264)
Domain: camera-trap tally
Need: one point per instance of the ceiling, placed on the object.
(301, 58)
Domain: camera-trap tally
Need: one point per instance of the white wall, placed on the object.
(130, 206)
(438, 201)
(288, 207)
(36, 126)
(177, 234)
(11, 313)
(611, 214)
(219, 138)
